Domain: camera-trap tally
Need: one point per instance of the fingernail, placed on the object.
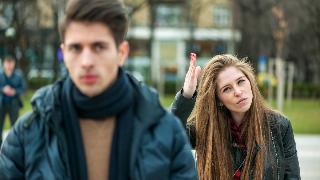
(193, 55)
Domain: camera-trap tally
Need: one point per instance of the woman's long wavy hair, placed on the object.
(213, 135)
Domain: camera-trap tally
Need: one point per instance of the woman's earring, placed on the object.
(220, 106)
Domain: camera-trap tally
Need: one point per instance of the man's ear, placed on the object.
(123, 52)
(62, 47)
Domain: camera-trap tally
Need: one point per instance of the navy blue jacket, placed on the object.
(36, 147)
(18, 83)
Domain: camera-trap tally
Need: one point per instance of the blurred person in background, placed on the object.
(12, 86)
(98, 122)
(235, 135)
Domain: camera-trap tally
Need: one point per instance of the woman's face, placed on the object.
(234, 90)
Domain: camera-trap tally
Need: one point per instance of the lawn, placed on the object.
(26, 107)
(303, 113)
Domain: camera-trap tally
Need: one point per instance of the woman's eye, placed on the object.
(227, 89)
(241, 81)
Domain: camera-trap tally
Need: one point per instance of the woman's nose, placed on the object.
(237, 91)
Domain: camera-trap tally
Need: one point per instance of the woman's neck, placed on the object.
(237, 117)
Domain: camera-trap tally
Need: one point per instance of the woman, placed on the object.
(235, 135)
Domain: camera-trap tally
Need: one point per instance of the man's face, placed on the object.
(92, 57)
(8, 67)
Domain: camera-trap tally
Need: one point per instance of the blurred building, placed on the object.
(162, 33)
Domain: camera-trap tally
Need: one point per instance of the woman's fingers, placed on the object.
(193, 62)
(198, 72)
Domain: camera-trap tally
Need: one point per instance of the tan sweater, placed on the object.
(97, 140)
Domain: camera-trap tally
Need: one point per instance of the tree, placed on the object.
(255, 24)
(258, 25)
(304, 38)
(20, 22)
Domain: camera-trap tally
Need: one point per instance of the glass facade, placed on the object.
(138, 62)
(170, 15)
(221, 16)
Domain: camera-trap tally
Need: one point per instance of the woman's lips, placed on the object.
(242, 101)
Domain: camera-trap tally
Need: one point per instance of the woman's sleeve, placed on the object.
(182, 107)
(292, 169)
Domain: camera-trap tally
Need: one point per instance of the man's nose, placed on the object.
(87, 58)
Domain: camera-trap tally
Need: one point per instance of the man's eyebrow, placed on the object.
(72, 44)
(100, 42)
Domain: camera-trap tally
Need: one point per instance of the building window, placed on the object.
(138, 62)
(206, 49)
(169, 15)
(221, 16)
(209, 48)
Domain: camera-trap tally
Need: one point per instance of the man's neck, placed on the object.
(8, 73)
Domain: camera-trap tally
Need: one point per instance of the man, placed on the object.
(12, 85)
(97, 123)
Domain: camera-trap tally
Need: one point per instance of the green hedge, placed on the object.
(36, 83)
(305, 90)
(299, 90)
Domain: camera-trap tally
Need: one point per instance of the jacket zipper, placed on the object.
(276, 153)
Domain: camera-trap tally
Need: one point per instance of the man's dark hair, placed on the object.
(8, 58)
(112, 13)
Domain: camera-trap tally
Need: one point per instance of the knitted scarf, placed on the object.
(117, 100)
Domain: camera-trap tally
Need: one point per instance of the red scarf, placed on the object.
(236, 135)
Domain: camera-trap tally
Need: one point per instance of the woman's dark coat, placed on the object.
(282, 141)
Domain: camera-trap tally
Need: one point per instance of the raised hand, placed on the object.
(191, 79)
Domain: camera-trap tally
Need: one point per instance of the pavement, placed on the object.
(308, 147)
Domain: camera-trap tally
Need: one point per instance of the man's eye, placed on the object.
(74, 48)
(98, 47)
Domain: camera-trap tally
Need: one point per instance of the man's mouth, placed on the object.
(89, 79)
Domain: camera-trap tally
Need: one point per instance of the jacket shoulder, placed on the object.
(18, 72)
(26, 119)
(148, 103)
(145, 91)
(173, 121)
(278, 120)
(23, 123)
(281, 126)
